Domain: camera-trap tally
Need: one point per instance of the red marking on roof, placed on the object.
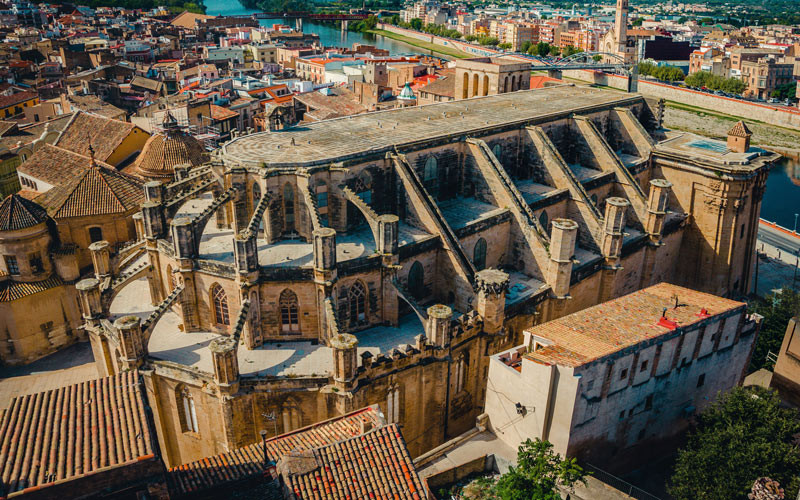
(667, 323)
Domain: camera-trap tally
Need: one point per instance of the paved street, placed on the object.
(777, 260)
(70, 366)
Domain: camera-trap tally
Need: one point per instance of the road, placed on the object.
(781, 239)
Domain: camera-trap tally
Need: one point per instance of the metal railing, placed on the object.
(619, 484)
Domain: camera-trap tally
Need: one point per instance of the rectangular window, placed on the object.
(35, 261)
(11, 265)
(322, 199)
(622, 415)
(701, 380)
(644, 366)
(623, 374)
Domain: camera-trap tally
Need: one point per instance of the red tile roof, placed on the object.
(72, 431)
(374, 461)
(97, 191)
(103, 134)
(12, 290)
(10, 100)
(604, 329)
(218, 113)
(55, 165)
(18, 213)
(740, 130)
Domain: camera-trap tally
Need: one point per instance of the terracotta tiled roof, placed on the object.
(6, 127)
(10, 100)
(55, 165)
(73, 431)
(13, 290)
(248, 461)
(103, 134)
(444, 86)
(17, 213)
(97, 191)
(162, 152)
(375, 464)
(187, 19)
(218, 113)
(740, 130)
(610, 327)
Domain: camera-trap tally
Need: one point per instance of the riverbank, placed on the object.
(437, 49)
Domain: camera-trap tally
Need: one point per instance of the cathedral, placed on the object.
(299, 275)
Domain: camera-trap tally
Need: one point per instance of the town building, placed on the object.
(786, 374)
(377, 258)
(614, 383)
(94, 438)
(765, 75)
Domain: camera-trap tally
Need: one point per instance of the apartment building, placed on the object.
(765, 75)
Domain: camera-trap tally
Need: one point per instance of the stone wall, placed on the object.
(782, 116)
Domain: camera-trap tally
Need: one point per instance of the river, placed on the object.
(329, 36)
(782, 198)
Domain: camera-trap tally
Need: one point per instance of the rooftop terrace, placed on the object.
(333, 140)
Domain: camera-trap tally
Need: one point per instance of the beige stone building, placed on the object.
(482, 76)
(614, 383)
(379, 258)
(786, 375)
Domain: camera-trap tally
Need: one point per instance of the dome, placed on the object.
(18, 213)
(163, 151)
(407, 94)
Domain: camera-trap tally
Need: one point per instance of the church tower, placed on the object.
(621, 28)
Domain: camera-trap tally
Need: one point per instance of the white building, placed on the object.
(612, 383)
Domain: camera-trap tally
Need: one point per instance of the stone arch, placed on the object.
(290, 317)
(256, 194)
(485, 84)
(479, 255)
(474, 84)
(218, 300)
(465, 85)
(513, 83)
(505, 84)
(416, 280)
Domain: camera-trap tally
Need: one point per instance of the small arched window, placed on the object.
(465, 91)
(256, 195)
(474, 85)
(289, 317)
(544, 220)
(431, 175)
(95, 234)
(220, 301)
(505, 84)
(288, 206)
(357, 303)
(461, 373)
(485, 84)
(186, 410)
(416, 280)
(479, 254)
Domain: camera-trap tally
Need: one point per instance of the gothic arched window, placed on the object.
(363, 187)
(289, 317)
(461, 373)
(291, 416)
(430, 176)
(288, 206)
(416, 280)
(357, 303)
(479, 255)
(220, 301)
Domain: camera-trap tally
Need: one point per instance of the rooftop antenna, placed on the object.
(91, 151)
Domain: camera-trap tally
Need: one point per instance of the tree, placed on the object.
(682, 19)
(542, 49)
(504, 46)
(597, 58)
(777, 308)
(539, 473)
(416, 23)
(741, 437)
(525, 47)
(638, 21)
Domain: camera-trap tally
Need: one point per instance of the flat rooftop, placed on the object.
(598, 331)
(713, 152)
(341, 138)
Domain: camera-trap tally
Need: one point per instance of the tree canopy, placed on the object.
(664, 73)
(715, 82)
(743, 436)
(777, 308)
(539, 473)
